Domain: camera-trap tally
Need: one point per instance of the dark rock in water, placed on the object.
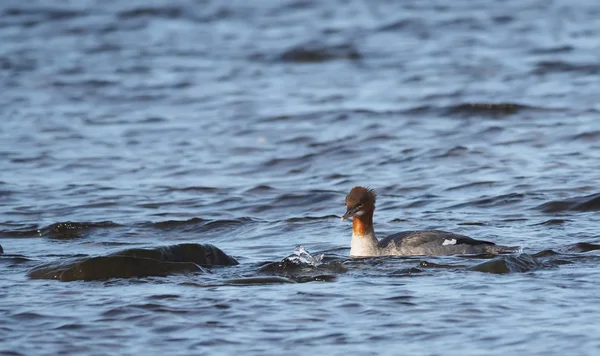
(583, 247)
(302, 267)
(161, 261)
(486, 109)
(201, 254)
(107, 267)
(72, 230)
(545, 253)
(1, 250)
(314, 52)
(494, 266)
(101, 268)
(51, 270)
(584, 203)
(282, 266)
(508, 264)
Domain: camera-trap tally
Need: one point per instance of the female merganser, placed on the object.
(360, 204)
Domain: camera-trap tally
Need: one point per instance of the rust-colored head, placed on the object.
(360, 201)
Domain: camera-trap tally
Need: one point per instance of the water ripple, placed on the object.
(130, 126)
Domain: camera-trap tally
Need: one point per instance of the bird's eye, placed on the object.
(359, 205)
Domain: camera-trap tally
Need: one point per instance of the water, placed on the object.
(150, 123)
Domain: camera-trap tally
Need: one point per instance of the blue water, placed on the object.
(244, 124)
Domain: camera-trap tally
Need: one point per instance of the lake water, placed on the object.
(137, 124)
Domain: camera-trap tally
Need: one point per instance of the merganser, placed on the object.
(360, 204)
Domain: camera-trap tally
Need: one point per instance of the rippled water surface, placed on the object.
(140, 124)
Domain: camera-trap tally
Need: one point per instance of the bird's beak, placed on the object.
(349, 213)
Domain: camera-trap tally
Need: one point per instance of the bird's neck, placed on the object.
(363, 225)
(364, 243)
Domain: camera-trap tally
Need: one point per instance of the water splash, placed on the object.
(303, 257)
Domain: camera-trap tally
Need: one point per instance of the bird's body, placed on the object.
(360, 204)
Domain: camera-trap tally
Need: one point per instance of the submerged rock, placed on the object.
(508, 264)
(201, 254)
(317, 52)
(73, 229)
(301, 267)
(491, 109)
(106, 267)
(161, 261)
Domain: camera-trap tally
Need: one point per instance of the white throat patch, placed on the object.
(449, 242)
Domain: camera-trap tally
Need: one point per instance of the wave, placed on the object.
(317, 52)
(198, 224)
(460, 110)
(160, 12)
(499, 200)
(584, 204)
(75, 230)
(59, 230)
(547, 67)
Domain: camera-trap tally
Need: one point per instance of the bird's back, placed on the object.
(436, 242)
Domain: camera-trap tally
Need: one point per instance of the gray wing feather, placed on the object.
(429, 237)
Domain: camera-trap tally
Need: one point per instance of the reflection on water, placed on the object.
(131, 126)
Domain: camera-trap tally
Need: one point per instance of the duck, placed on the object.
(360, 206)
